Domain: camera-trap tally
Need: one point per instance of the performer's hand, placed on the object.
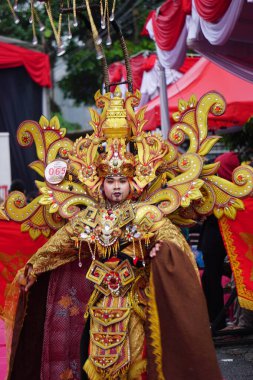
(155, 249)
(26, 278)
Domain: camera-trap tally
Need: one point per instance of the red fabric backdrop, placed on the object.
(37, 64)
(169, 23)
(13, 254)
(212, 10)
(139, 64)
(144, 31)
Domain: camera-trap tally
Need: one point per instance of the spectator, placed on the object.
(214, 252)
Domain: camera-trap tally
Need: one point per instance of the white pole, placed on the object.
(164, 102)
(5, 165)
(45, 103)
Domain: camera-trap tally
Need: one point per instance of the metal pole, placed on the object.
(164, 102)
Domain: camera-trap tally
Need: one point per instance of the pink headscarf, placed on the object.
(228, 162)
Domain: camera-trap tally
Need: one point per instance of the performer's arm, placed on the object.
(169, 233)
(58, 250)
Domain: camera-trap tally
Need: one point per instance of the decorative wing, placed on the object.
(187, 188)
(56, 202)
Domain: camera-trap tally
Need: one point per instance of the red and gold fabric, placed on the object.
(117, 346)
(238, 239)
(109, 340)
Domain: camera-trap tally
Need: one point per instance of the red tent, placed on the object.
(36, 63)
(219, 30)
(203, 77)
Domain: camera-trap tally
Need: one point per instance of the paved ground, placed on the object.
(236, 362)
(235, 356)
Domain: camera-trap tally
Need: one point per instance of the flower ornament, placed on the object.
(112, 280)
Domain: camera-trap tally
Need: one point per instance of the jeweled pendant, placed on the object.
(108, 41)
(98, 40)
(75, 22)
(42, 28)
(60, 51)
(99, 55)
(103, 26)
(135, 260)
(16, 19)
(35, 41)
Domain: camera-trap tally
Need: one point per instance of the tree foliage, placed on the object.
(84, 75)
(242, 141)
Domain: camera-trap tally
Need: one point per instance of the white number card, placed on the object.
(55, 171)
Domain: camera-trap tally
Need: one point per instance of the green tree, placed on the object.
(241, 141)
(84, 75)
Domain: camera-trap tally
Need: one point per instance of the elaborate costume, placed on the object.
(143, 318)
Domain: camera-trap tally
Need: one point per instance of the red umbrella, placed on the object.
(204, 77)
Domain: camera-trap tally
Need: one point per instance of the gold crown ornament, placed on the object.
(117, 125)
(166, 182)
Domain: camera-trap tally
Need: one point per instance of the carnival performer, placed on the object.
(119, 261)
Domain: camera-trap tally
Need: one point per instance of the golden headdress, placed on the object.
(117, 126)
(180, 186)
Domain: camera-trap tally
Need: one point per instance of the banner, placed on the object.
(238, 239)
(16, 248)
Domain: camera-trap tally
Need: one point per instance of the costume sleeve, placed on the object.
(169, 233)
(59, 250)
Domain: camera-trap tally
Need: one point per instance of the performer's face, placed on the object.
(116, 189)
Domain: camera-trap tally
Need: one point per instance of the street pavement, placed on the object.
(235, 356)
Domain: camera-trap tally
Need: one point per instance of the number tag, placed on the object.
(55, 171)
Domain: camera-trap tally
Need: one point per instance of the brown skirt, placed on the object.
(179, 346)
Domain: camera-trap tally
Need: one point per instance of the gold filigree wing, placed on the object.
(224, 197)
(191, 122)
(55, 203)
(32, 216)
(61, 200)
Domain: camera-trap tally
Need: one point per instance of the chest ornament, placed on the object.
(115, 282)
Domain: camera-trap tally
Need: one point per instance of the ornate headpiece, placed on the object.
(117, 126)
(181, 186)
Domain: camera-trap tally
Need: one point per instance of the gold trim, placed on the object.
(135, 302)
(91, 371)
(90, 216)
(247, 304)
(122, 312)
(106, 335)
(136, 370)
(104, 361)
(245, 296)
(155, 329)
(93, 299)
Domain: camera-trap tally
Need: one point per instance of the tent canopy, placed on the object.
(219, 30)
(36, 63)
(204, 77)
